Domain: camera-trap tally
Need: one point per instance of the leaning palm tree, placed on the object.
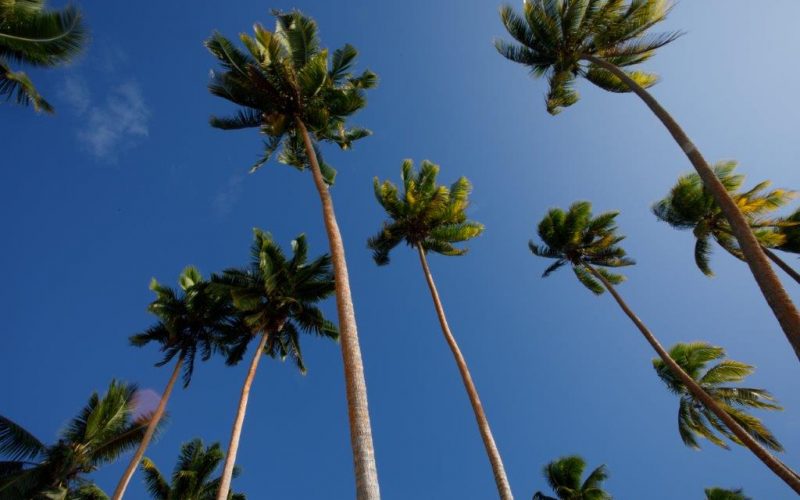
(696, 420)
(287, 88)
(564, 477)
(689, 205)
(590, 245)
(103, 430)
(190, 321)
(723, 494)
(430, 218)
(191, 477)
(31, 35)
(277, 298)
(600, 40)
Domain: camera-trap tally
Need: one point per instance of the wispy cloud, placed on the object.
(227, 197)
(113, 122)
(76, 93)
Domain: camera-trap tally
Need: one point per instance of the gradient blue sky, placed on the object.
(128, 182)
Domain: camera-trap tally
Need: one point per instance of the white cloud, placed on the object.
(111, 124)
(76, 93)
(228, 196)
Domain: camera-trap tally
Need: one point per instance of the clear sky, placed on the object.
(127, 182)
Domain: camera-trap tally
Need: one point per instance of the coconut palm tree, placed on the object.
(694, 419)
(190, 321)
(31, 35)
(103, 430)
(590, 245)
(191, 477)
(723, 494)
(601, 40)
(690, 206)
(790, 233)
(564, 477)
(277, 298)
(430, 218)
(288, 89)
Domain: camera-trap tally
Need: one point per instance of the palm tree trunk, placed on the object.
(775, 465)
(780, 263)
(366, 471)
(236, 432)
(148, 434)
(500, 479)
(767, 280)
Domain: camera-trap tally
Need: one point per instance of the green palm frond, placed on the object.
(564, 478)
(17, 86)
(16, 443)
(276, 294)
(694, 419)
(724, 494)
(582, 240)
(196, 319)
(285, 77)
(425, 214)
(192, 475)
(556, 39)
(33, 36)
(40, 38)
(102, 430)
(690, 206)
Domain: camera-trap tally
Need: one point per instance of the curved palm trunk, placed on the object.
(780, 263)
(779, 468)
(148, 435)
(236, 432)
(503, 488)
(767, 280)
(366, 471)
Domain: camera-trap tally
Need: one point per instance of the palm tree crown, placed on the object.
(575, 237)
(689, 205)
(31, 35)
(564, 477)
(723, 494)
(103, 430)
(286, 76)
(694, 419)
(426, 214)
(195, 319)
(278, 296)
(191, 477)
(556, 39)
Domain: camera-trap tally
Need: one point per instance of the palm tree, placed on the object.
(564, 477)
(430, 218)
(690, 206)
(188, 321)
(696, 420)
(287, 88)
(276, 298)
(103, 430)
(599, 40)
(584, 242)
(191, 477)
(31, 35)
(723, 494)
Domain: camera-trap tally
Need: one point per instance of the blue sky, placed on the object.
(128, 182)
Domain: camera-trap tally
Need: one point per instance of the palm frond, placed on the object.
(16, 443)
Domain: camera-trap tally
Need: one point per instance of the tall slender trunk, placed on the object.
(783, 265)
(775, 465)
(767, 280)
(148, 434)
(500, 479)
(236, 432)
(366, 472)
